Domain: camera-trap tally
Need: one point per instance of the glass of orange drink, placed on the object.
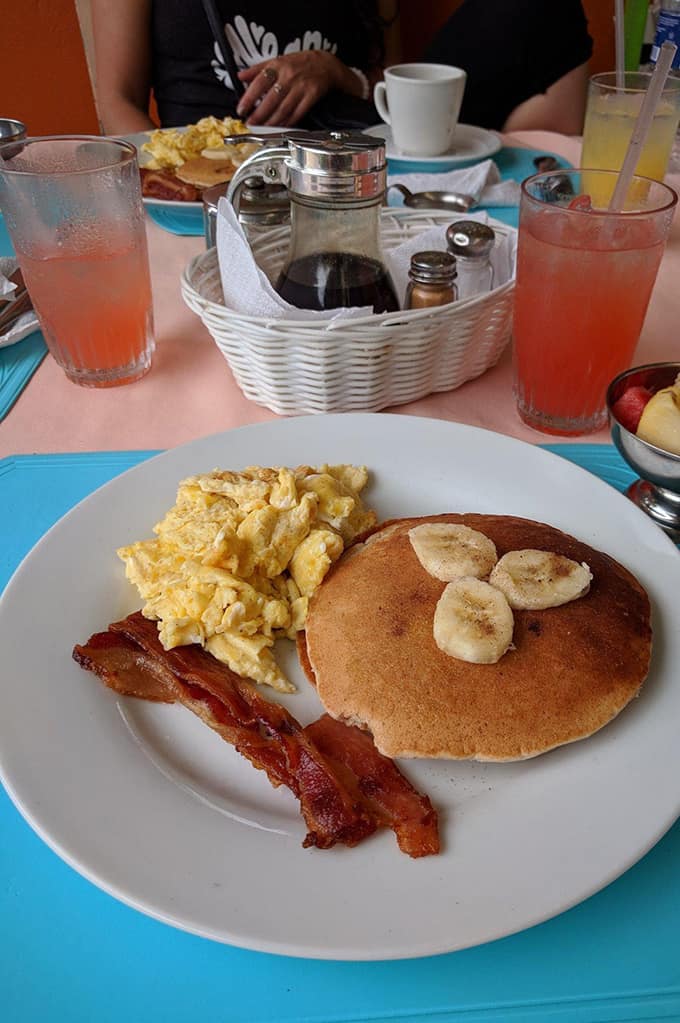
(74, 212)
(584, 279)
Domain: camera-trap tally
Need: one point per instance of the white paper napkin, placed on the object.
(245, 286)
(27, 323)
(483, 181)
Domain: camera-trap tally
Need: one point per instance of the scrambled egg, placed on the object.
(239, 555)
(170, 147)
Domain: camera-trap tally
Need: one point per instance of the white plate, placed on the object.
(140, 137)
(152, 806)
(470, 144)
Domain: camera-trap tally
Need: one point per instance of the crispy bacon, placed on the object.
(163, 184)
(346, 788)
(388, 795)
(123, 667)
(264, 732)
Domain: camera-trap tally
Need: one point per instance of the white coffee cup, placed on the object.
(421, 102)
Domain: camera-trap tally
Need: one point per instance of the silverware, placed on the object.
(16, 306)
(457, 202)
(11, 130)
(545, 163)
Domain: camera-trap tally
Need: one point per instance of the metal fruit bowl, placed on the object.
(657, 491)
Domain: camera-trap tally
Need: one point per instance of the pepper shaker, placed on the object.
(432, 280)
(471, 244)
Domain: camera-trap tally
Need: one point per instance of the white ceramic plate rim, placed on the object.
(525, 842)
(484, 142)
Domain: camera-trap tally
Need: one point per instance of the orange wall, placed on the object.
(44, 80)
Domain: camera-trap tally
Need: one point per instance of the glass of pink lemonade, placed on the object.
(74, 212)
(584, 280)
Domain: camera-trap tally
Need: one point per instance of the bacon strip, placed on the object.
(158, 184)
(346, 788)
(388, 795)
(123, 667)
(264, 732)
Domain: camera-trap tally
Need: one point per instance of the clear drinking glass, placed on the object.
(73, 208)
(610, 116)
(584, 280)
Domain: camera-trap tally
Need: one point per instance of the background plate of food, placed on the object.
(177, 164)
(158, 810)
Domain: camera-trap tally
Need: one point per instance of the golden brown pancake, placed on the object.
(573, 668)
(204, 172)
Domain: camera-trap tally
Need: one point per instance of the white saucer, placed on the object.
(469, 144)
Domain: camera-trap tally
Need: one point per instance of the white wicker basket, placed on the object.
(365, 364)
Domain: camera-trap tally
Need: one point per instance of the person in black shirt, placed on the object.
(290, 54)
(526, 62)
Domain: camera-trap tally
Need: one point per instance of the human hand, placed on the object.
(288, 86)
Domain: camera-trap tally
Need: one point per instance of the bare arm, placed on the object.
(561, 108)
(122, 37)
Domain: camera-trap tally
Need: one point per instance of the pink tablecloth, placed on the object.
(190, 391)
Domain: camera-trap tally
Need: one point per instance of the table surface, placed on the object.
(190, 393)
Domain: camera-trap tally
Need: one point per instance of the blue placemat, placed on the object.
(69, 952)
(512, 162)
(19, 362)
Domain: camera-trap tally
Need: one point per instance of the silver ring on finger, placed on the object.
(278, 89)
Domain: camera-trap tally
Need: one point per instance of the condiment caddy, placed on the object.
(367, 363)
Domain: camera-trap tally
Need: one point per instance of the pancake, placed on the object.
(571, 669)
(203, 172)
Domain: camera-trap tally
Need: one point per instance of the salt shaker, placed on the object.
(432, 280)
(471, 243)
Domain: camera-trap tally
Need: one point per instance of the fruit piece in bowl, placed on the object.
(660, 421)
(644, 409)
(629, 407)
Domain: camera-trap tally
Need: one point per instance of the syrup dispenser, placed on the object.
(336, 184)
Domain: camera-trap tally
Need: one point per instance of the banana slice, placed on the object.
(218, 153)
(533, 580)
(449, 551)
(473, 622)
